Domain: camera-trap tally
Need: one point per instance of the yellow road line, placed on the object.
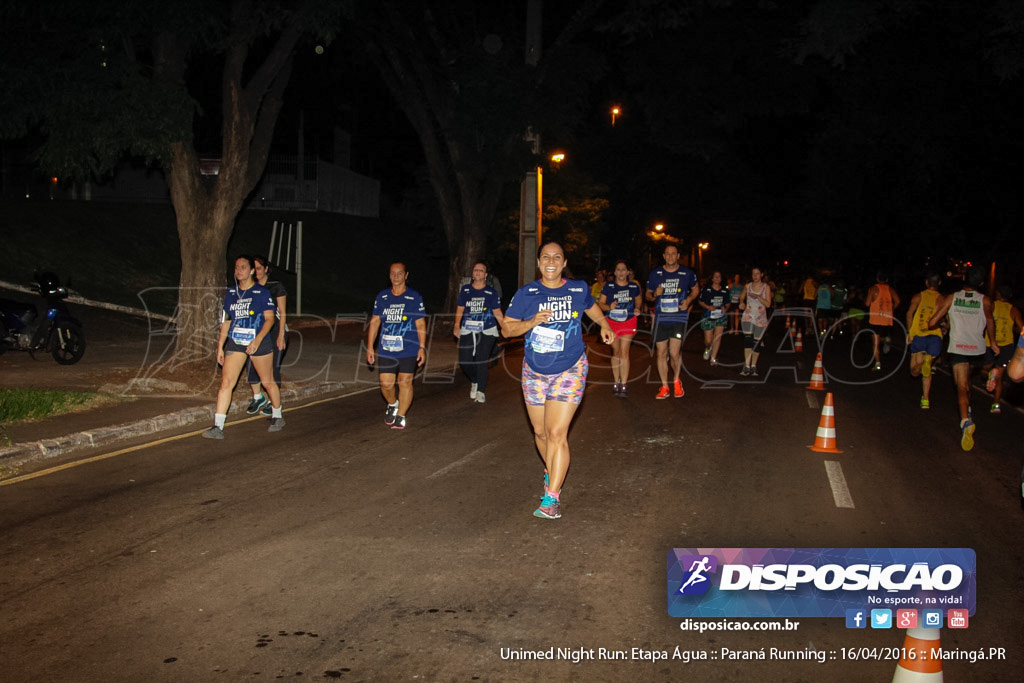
(158, 442)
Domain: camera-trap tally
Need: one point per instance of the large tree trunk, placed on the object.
(207, 206)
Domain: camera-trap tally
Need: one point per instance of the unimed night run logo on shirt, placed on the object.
(817, 582)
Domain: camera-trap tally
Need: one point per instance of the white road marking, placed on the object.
(812, 399)
(463, 460)
(840, 492)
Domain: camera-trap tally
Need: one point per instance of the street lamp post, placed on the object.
(615, 113)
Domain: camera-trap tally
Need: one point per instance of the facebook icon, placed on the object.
(856, 618)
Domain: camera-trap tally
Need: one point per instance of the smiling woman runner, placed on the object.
(555, 365)
(246, 322)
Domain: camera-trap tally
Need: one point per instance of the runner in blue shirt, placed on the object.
(672, 288)
(714, 299)
(548, 312)
(477, 316)
(246, 321)
(620, 300)
(399, 316)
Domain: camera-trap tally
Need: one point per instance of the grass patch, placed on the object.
(29, 404)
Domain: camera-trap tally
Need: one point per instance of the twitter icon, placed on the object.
(881, 618)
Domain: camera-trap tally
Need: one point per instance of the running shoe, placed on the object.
(267, 409)
(925, 405)
(707, 353)
(276, 424)
(256, 404)
(967, 435)
(480, 398)
(878, 366)
(399, 422)
(753, 371)
(615, 389)
(549, 508)
(622, 391)
(472, 391)
(677, 389)
(886, 345)
(662, 393)
(926, 366)
(990, 385)
(390, 413)
(995, 409)
(714, 362)
(745, 371)
(213, 433)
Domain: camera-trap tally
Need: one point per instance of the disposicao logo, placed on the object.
(822, 582)
(696, 582)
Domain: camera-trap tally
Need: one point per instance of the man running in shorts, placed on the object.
(925, 343)
(1007, 320)
(399, 316)
(672, 288)
(970, 318)
(881, 301)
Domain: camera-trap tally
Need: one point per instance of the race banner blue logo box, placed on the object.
(817, 582)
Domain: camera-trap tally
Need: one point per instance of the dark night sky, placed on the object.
(906, 150)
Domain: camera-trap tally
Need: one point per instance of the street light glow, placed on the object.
(558, 158)
(615, 112)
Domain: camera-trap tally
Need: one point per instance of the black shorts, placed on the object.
(958, 358)
(881, 330)
(1005, 354)
(386, 365)
(266, 346)
(666, 331)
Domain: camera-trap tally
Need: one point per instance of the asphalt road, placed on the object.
(341, 549)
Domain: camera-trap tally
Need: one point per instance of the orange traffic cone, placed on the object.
(921, 667)
(787, 322)
(817, 376)
(799, 341)
(825, 439)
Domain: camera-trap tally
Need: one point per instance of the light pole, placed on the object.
(700, 258)
(616, 110)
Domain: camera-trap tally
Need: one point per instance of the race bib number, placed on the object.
(668, 305)
(546, 340)
(242, 335)
(392, 342)
(473, 325)
(717, 314)
(619, 315)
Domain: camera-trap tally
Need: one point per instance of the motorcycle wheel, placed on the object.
(68, 343)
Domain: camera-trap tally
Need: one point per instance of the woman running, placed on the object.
(754, 302)
(555, 365)
(714, 299)
(279, 333)
(245, 327)
(477, 316)
(620, 300)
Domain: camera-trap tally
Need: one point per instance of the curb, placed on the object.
(22, 453)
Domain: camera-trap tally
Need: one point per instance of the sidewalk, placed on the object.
(324, 357)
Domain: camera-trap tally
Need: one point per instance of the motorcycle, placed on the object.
(58, 333)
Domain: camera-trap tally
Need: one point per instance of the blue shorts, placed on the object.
(929, 343)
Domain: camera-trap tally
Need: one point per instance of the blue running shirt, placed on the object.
(244, 308)
(555, 346)
(398, 316)
(624, 298)
(479, 304)
(677, 284)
